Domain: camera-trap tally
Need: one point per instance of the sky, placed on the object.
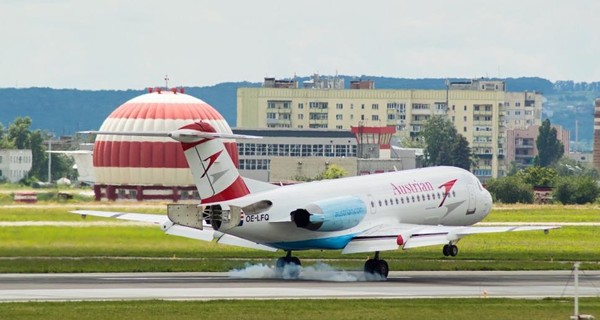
(131, 44)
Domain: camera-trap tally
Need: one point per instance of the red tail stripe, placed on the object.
(236, 190)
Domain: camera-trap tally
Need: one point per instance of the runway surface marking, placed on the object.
(209, 286)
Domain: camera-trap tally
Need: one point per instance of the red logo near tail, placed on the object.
(211, 160)
(447, 187)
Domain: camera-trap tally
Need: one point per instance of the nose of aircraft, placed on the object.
(485, 199)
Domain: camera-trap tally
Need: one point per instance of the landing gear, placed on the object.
(293, 263)
(377, 266)
(450, 250)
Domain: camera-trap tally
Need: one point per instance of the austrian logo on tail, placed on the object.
(447, 187)
(211, 160)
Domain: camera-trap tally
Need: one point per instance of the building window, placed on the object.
(339, 127)
(339, 106)
(300, 116)
(517, 104)
(271, 115)
(465, 108)
(338, 117)
(300, 105)
(375, 117)
(464, 129)
(420, 106)
(465, 118)
(375, 106)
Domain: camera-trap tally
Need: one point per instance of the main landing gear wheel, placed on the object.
(293, 271)
(377, 266)
(450, 250)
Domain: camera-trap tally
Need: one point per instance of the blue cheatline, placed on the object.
(338, 242)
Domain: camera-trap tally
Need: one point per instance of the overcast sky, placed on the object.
(120, 44)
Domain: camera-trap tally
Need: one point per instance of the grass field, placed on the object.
(449, 309)
(133, 248)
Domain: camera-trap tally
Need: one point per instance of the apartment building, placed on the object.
(477, 108)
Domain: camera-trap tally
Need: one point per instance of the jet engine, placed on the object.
(330, 215)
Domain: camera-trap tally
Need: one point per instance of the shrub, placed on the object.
(510, 190)
(576, 190)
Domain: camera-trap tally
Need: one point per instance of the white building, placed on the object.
(14, 164)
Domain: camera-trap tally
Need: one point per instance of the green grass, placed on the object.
(102, 248)
(546, 213)
(449, 309)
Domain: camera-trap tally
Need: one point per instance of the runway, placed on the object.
(209, 286)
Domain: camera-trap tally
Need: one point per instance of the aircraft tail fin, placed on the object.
(215, 174)
(213, 169)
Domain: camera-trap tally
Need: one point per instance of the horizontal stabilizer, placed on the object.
(141, 217)
(181, 135)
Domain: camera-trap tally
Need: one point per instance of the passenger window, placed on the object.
(380, 203)
(428, 197)
(453, 193)
(372, 204)
(397, 202)
(386, 203)
(413, 198)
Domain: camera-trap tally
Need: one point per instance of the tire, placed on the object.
(296, 261)
(453, 250)
(382, 268)
(280, 263)
(370, 266)
(446, 250)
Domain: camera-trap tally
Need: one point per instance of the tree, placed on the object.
(19, 132)
(576, 190)
(570, 167)
(538, 176)
(550, 149)
(510, 189)
(444, 145)
(332, 172)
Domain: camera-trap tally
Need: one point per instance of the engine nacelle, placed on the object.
(330, 215)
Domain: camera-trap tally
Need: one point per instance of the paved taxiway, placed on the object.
(206, 286)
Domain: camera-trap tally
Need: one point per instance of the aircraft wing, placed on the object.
(408, 236)
(139, 217)
(206, 234)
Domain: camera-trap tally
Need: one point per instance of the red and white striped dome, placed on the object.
(129, 160)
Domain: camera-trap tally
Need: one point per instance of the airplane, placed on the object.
(372, 213)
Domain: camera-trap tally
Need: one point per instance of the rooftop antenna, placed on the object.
(166, 81)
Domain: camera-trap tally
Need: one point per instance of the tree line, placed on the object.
(571, 182)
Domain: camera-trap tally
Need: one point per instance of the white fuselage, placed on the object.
(429, 196)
